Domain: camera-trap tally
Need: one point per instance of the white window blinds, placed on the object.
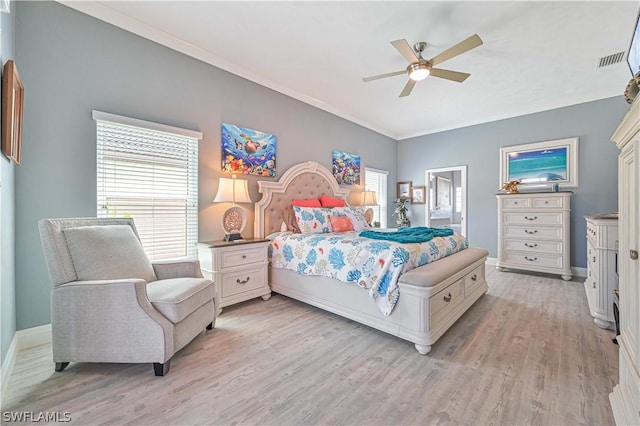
(376, 180)
(149, 172)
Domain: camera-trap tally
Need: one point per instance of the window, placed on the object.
(149, 172)
(376, 180)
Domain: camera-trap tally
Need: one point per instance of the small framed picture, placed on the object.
(417, 195)
(404, 189)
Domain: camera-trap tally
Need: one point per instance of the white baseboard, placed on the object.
(7, 367)
(577, 271)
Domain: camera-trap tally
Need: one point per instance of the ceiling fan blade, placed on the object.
(465, 45)
(449, 75)
(389, 74)
(405, 50)
(408, 88)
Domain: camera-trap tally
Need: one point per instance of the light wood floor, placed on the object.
(526, 353)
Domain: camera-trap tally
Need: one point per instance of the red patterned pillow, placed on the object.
(327, 201)
(311, 202)
(341, 223)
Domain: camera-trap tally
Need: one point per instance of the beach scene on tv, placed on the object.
(539, 166)
(247, 151)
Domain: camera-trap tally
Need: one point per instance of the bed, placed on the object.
(431, 297)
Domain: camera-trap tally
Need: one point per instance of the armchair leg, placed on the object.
(161, 369)
(210, 326)
(61, 366)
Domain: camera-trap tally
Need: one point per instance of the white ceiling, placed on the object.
(536, 55)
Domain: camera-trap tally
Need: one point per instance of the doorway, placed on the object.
(446, 203)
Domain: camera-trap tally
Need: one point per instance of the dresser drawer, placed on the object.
(515, 202)
(242, 256)
(533, 232)
(537, 246)
(242, 281)
(548, 202)
(531, 218)
(533, 259)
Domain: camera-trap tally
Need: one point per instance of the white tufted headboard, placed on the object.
(304, 180)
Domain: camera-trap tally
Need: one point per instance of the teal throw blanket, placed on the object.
(418, 234)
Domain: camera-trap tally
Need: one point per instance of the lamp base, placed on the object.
(233, 236)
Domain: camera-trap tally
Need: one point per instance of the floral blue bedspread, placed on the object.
(374, 265)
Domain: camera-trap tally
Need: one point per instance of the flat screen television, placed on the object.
(633, 57)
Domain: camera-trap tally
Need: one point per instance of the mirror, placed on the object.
(443, 193)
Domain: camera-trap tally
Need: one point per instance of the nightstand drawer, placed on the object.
(242, 281)
(243, 256)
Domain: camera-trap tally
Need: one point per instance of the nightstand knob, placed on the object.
(447, 298)
(474, 277)
(239, 281)
(244, 256)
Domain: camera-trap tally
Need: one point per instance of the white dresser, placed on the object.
(625, 398)
(533, 232)
(602, 244)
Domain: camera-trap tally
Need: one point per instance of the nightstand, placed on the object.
(238, 269)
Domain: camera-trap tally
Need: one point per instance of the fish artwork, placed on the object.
(248, 152)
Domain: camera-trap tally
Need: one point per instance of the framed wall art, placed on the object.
(12, 109)
(541, 164)
(418, 195)
(248, 152)
(346, 168)
(404, 189)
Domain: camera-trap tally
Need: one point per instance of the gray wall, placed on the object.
(71, 64)
(7, 215)
(478, 147)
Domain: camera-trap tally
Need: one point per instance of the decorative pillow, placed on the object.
(327, 201)
(313, 220)
(311, 202)
(355, 214)
(107, 253)
(341, 223)
(289, 219)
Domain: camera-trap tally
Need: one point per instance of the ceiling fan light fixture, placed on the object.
(419, 71)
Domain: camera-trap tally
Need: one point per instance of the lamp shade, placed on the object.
(232, 191)
(363, 198)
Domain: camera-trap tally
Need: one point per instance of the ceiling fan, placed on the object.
(420, 68)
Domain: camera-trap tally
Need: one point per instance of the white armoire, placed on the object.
(625, 398)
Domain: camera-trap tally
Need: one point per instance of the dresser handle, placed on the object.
(239, 281)
(531, 245)
(447, 298)
(531, 232)
(633, 254)
(594, 284)
(515, 202)
(531, 218)
(546, 202)
(594, 259)
(244, 256)
(474, 277)
(531, 259)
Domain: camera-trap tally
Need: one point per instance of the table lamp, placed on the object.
(234, 219)
(365, 199)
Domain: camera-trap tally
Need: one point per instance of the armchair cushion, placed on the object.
(108, 253)
(176, 298)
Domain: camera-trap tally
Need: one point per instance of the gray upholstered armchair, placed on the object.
(109, 303)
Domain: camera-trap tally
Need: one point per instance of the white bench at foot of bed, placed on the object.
(432, 297)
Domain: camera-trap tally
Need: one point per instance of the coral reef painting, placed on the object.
(248, 152)
(346, 168)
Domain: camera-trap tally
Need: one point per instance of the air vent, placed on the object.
(611, 59)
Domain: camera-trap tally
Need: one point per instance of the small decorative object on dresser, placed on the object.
(602, 242)
(511, 187)
(533, 232)
(238, 269)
